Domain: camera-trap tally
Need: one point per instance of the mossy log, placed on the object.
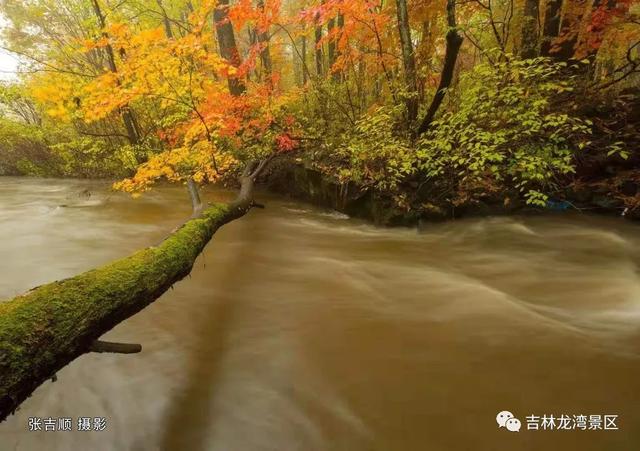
(44, 329)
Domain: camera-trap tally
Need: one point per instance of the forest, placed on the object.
(429, 106)
(398, 111)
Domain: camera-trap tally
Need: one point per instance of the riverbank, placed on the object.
(293, 180)
(600, 196)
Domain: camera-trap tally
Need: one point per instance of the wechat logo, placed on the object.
(505, 419)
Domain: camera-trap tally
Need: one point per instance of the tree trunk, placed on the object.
(551, 26)
(331, 46)
(165, 20)
(130, 124)
(337, 75)
(529, 36)
(318, 53)
(408, 61)
(454, 41)
(569, 29)
(227, 44)
(265, 53)
(304, 60)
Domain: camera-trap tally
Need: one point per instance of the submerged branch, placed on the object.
(115, 348)
(194, 194)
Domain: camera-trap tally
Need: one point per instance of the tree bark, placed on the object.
(194, 195)
(318, 52)
(227, 44)
(529, 35)
(165, 20)
(46, 328)
(337, 75)
(569, 29)
(551, 26)
(408, 61)
(304, 60)
(265, 53)
(331, 45)
(454, 41)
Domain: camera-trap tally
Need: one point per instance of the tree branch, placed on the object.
(454, 42)
(194, 194)
(116, 348)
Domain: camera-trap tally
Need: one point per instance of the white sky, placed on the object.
(8, 62)
(8, 65)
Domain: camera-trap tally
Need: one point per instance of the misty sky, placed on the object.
(8, 62)
(8, 65)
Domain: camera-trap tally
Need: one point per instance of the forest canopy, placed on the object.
(430, 104)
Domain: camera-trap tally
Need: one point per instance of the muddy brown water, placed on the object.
(301, 329)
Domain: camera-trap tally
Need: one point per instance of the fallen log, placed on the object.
(44, 329)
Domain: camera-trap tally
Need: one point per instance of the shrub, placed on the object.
(508, 129)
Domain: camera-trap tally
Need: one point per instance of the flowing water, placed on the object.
(301, 329)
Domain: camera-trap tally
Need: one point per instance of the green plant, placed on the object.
(375, 153)
(509, 129)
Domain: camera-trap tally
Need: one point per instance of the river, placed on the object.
(302, 329)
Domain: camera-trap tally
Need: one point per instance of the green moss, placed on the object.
(48, 326)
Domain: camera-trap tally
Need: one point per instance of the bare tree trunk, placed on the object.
(408, 61)
(318, 53)
(551, 26)
(454, 41)
(227, 44)
(424, 51)
(331, 45)
(304, 60)
(253, 39)
(265, 53)
(165, 20)
(529, 36)
(337, 75)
